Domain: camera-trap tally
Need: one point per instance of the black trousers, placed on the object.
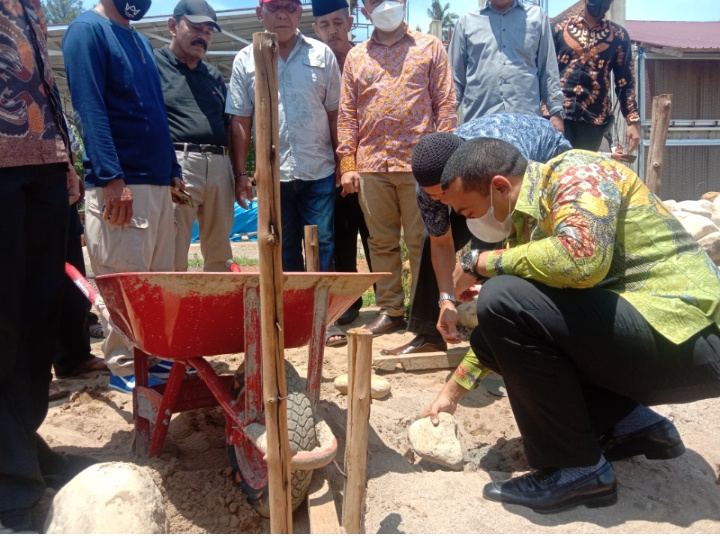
(34, 220)
(349, 221)
(425, 309)
(575, 362)
(583, 135)
(74, 338)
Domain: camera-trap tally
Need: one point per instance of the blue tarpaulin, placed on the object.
(245, 222)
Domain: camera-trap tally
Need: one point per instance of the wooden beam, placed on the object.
(321, 505)
(662, 106)
(312, 249)
(425, 361)
(267, 175)
(356, 442)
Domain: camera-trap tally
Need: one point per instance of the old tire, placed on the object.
(301, 432)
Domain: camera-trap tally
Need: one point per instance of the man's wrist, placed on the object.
(445, 296)
(241, 174)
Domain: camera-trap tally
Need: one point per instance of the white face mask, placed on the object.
(487, 228)
(388, 16)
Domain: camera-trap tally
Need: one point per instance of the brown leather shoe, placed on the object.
(421, 343)
(386, 324)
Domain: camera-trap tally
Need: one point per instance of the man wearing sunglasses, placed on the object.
(309, 92)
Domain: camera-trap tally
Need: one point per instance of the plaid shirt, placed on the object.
(392, 96)
(586, 57)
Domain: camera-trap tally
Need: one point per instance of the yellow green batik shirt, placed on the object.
(585, 221)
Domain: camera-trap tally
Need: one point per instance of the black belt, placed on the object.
(194, 148)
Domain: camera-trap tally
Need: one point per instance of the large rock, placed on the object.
(107, 498)
(439, 444)
(379, 386)
(711, 244)
(467, 314)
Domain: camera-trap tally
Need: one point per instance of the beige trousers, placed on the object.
(146, 245)
(390, 207)
(209, 180)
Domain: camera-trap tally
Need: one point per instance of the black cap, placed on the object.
(196, 11)
(431, 154)
(323, 7)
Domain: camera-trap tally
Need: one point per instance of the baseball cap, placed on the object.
(323, 7)
(268, 1)
(196, 11)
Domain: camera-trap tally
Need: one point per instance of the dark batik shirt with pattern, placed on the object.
(534, 136)
(586, 57)
(32, 129)
(586, 221)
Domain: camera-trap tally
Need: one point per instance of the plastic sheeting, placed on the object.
(245, 224)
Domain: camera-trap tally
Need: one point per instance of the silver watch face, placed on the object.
(467, 262)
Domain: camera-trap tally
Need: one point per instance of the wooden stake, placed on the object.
(312, 249)
(662, 105)
(267, 174)
(356, 442)
(321, 505)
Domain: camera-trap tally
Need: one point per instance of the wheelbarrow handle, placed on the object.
(88, 290)
(234, 267)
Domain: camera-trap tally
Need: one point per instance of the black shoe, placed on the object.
(18, 520)
(538, 490)
(59, 469)
(349, 316)
(419, 344)
(659, 441)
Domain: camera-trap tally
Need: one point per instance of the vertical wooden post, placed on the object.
(312, 249)
(356, 442)
(662, 105)
(267, 149)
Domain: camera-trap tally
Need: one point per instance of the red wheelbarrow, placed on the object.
(184, 316)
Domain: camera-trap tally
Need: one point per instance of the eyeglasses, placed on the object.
(288, 8)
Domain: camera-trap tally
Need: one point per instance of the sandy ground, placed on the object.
(405, 495)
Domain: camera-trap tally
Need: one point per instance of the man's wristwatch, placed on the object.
(444, 296)
(469, 263)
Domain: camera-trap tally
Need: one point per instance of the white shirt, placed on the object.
(309, 87)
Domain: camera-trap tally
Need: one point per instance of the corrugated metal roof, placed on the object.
(680, 35)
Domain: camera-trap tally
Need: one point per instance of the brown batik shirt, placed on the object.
(586, 57)
(32, 130)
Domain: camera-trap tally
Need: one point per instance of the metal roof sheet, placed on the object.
(681, 35)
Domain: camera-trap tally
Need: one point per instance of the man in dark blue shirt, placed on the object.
(129, 160)
(446, 231)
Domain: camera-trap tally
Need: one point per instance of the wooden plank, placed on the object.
(321, 505)
(425, 361)
(662, 105)
(267, 175)
(356, 443)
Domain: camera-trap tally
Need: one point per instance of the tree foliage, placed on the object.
(61, 11)
(437, 11)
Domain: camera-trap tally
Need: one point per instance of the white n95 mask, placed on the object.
(487, 228)
(388, 16)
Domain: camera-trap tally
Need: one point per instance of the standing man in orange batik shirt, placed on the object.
(397, 87)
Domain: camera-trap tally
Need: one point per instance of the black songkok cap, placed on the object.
(323, 7)
(431, 154)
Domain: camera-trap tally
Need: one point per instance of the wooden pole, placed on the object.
(312, 249)
(267, 174)
(356, 442)
(662, 106)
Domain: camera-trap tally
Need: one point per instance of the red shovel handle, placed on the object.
(88, 290)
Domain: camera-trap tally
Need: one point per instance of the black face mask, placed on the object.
(132, 9)
(598, 8)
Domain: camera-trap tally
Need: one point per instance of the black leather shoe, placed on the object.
(539, 490)
(420, 344)
(659, 441)
(349, 316)
(386, 324)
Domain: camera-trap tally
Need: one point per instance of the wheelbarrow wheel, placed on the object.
(301, 432)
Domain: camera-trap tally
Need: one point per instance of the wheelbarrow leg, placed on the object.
(170, 396)
(142, 425)
(317, 343)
